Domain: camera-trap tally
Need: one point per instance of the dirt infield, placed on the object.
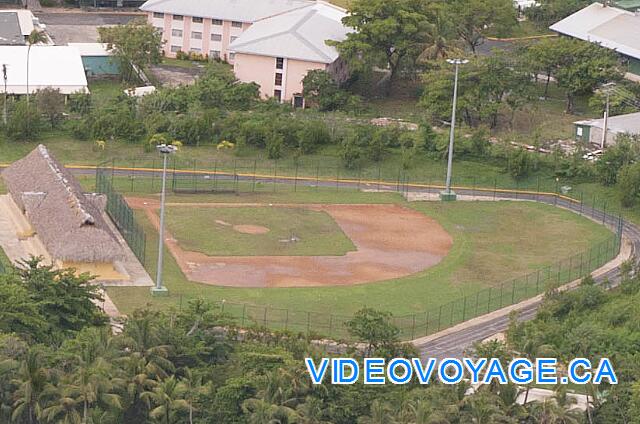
(392, 241)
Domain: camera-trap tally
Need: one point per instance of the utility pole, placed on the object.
(4, 77)
(607, 88)
(448, 194)
(160, 289)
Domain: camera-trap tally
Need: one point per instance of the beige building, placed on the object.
(68, 222)
(278, 52)
(210, 26)
(591, 130)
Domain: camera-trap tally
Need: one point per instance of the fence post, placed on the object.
(464, 307)
(317, 175)
(275, 173)
(330, 325)
(604, 212)
(538, 282)
(195, 176)
(379, 171)
(153, 173)
(244, 311)
(337, 177)
(477, 300)
(538, 189)
(308, 322)
(295, 181)
(264, 318)
(439, 317)
(581, 202)
(501, 293)
(495, 187)
(255, 164)
(489, 301)
(513, 292)
(413, 327)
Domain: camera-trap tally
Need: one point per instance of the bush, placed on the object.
(520, 163)
(24, 123)
(275, 145)
(313, 135)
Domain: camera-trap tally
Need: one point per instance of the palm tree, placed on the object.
(263, 412)
(193, 387)
(35, 37)
(62, 411)
(32, 382)
(379, 414)
(167, 396)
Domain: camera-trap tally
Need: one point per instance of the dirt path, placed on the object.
(392, 241)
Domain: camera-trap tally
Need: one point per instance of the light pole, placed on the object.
(607, 88)
(159, 289)
(4, 77)
(448, 194)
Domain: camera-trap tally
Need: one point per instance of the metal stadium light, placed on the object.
(159, 289)
(448, 194)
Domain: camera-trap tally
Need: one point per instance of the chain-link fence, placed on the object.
(120, 212)
(431, 321)
(253, 176)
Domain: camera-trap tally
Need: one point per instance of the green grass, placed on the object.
(493, 242)
(179, 63)
(211, 231)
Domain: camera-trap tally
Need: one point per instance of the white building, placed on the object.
(58, 67)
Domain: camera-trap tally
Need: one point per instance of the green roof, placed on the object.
(628, 4)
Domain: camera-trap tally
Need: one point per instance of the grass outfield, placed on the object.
(211, 231)
(493, 242)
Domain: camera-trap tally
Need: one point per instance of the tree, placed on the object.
(24, 122)
(373, 328)
(473, 18)
(135, 45)
(32, 381)
(36, 37)
(579, 67)
(319, 88)
(629, 184)
(167, 399)
(51, 103)
(386, 33)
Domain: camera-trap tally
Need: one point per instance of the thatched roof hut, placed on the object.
(69, 222)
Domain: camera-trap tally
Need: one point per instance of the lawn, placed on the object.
(493, 242)
(215, 231)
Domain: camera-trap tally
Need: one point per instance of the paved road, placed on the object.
(455, 344)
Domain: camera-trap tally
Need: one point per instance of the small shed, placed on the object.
(590, 131)
(97, 59)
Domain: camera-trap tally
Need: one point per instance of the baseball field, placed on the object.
(338, 251)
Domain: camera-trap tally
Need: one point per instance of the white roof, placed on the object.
(629, 123)
(613, 28)
(91, 49)
(25, 19)
(300, 34)
(228, 10)
(49, 66)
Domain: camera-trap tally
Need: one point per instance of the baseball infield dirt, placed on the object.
(392, 241)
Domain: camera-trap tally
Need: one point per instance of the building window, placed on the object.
(232, 56)
(298, 101)
(176, 32)
(196, 35)
(232, 39)
(178, 17)
(195, 50)
(236, 24)
(175, 49)
(277, 94)
(278, 78)
(216, 21)
(214, 54)
(196, 20)
(279, 63)
(579, 131)
(158, 15)
(216, 37)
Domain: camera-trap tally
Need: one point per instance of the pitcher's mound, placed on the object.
(251, 229)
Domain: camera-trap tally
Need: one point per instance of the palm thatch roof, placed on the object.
(69, 222)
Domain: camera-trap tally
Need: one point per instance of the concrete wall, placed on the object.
(186, 42)
(106, 271)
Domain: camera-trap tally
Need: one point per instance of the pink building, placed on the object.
(277, 52)
(210, 26)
